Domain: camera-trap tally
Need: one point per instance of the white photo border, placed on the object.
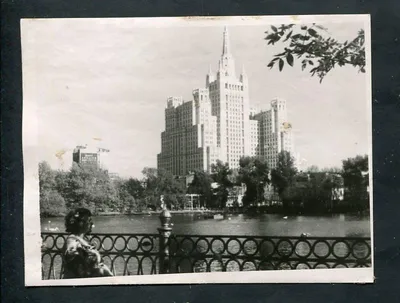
(32, 230)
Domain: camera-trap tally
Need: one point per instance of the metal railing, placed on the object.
(124, 254)
(189, 253)
(139, 254)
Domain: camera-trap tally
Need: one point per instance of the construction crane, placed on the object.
(102, 150)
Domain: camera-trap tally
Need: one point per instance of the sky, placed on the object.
(104, 82)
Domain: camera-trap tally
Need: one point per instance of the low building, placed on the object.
(235, 197)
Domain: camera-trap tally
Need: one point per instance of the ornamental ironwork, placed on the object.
(189, 253)
(124, 254)
(139, 254)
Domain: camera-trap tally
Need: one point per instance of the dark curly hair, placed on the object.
(78, 221)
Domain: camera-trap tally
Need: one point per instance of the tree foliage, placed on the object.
(253, 172)
(159, 183)
(201, 185)
(318, 52)
(92, 188)
(356, 180)
(220, 173)
(283, 175)
(51, 202)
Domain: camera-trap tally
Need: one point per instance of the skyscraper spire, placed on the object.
(227, 64)
(210, 76)
(225, 46)
(243, 70)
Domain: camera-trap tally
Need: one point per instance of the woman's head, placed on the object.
(79, 221)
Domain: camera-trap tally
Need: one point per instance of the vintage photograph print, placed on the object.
(197, 150)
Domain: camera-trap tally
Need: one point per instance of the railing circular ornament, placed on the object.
(283, 265)
(124, 244)
(146, 246)
(223, 245)
(237, 247)
(200, 265)
(216, 265)
(302, 265)
(263, 248)
(45, 242)
(103, 243)
(133, 244)
(187, 245)
(354, 251)
(58, 244)
(253, 246)
(284, 251)
(329, 249)
(334, 253)
(306, 244)
(248, 265)
(340, 265)
(198, 244)
(96, 242)
(321, 265)
(232, 264)
(266, 265)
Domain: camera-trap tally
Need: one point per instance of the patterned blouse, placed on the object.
(82, 260)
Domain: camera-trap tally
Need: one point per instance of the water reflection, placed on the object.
(260, 225)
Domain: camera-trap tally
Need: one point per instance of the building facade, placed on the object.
(274, 132)
(86, 156)
(218, 123)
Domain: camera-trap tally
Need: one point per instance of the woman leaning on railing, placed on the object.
(80, 258)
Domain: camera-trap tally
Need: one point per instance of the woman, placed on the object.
(81, 259)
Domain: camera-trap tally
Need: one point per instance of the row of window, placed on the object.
(234, 86)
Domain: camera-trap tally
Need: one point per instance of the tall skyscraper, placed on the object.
(218, 123)
(275, 132)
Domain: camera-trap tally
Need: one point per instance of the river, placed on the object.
(239, 224)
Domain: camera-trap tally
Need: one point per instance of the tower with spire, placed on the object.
(217, 123)
(230, 104)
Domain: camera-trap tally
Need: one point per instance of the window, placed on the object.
(226, 85)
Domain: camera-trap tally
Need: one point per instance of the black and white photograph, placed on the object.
(197, 150)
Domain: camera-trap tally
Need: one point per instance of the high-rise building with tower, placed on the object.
(274, 132)
(218, 123)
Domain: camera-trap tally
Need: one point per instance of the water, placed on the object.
(262, 225)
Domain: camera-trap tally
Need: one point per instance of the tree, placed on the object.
(283, 175)
(253, 172)
(51, 202)
(313, 169)
(90, 187)
(317, 51)
(161, 182)
(46, 178)
(356, 181)
(221, 175)
(201, 185)
(332, 170)
(134, 187)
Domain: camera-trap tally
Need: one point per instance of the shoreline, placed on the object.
(215, 212)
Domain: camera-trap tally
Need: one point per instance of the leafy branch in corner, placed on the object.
(318, 52)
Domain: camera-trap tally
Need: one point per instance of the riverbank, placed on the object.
(248, 211)
(144, 213)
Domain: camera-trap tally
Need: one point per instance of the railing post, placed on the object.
(165, 233)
